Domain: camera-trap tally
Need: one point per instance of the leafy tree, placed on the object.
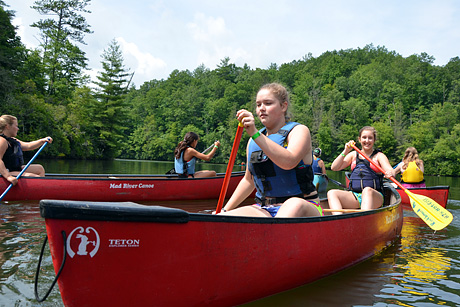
(11, 53)
(64, 61)
(109, 109)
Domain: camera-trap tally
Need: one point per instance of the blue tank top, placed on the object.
(182, 167)
(315, 166)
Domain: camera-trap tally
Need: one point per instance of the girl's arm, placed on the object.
(299, 144)
(345, 158)
(422, 167)
(26, 146)
(385, 164)
(3, 170)
(323, 167)
(192, 152)
(398, 167)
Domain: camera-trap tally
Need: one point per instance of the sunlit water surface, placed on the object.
(422, 268)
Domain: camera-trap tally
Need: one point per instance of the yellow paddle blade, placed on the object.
(430, 211)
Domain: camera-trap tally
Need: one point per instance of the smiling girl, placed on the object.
(366, 182)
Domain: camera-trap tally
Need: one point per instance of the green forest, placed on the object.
(409, 100)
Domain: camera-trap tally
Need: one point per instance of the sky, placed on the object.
(158, 37)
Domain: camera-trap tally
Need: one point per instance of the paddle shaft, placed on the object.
(23, 170)
(333, 181)
(231, 162)
(378, 167)
(209, 148)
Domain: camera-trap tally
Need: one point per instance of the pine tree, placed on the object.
(110, 112)
(64, 61)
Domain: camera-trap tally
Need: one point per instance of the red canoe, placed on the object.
(118, 187)
(439, 194)
(120, 254)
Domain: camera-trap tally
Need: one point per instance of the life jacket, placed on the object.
(13, 158)
(362, 175)
(412, 174)
(316, 168)
(271, 180)
(182, 167)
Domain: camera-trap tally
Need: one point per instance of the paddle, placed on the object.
(231, 162)
(208, 149)
(333, 181)
(23, 170)
(427, 209)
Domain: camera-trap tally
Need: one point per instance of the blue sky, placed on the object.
(158, 37)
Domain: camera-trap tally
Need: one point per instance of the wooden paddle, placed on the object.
(23, 170)
(231, 162)
(433, 214)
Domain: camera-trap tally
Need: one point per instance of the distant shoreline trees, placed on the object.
(409, 100)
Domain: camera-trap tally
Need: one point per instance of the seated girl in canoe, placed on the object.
(11, 159)
(366, 182)
(411, 169)
(278, 164)
(319, 169)
(185, 156)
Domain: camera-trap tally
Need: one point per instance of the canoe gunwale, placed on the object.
(124, 176)
(132, 212)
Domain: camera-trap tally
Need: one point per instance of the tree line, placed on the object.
(409, 100)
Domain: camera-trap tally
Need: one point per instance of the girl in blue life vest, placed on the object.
(279, 158)
(185, 156)
(365, 180)
(411, 169)
(11, 160)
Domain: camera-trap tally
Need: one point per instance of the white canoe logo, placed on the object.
(88, 242)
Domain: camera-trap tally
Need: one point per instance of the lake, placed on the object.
(422, 268)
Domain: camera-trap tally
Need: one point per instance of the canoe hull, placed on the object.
(439, 194)
(168, 257)
(118, 188)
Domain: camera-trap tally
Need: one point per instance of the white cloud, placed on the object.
(160, 36)
(207, 29)
(142, 63)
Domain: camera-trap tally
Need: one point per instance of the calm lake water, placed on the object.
(422, 268)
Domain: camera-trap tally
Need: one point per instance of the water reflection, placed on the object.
(416, 271)
(421, 269)
(21, 233)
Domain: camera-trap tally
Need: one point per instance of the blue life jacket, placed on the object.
(182, 167)
(13, 158)
(316, 168)
(364, 176)
(271, 180)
